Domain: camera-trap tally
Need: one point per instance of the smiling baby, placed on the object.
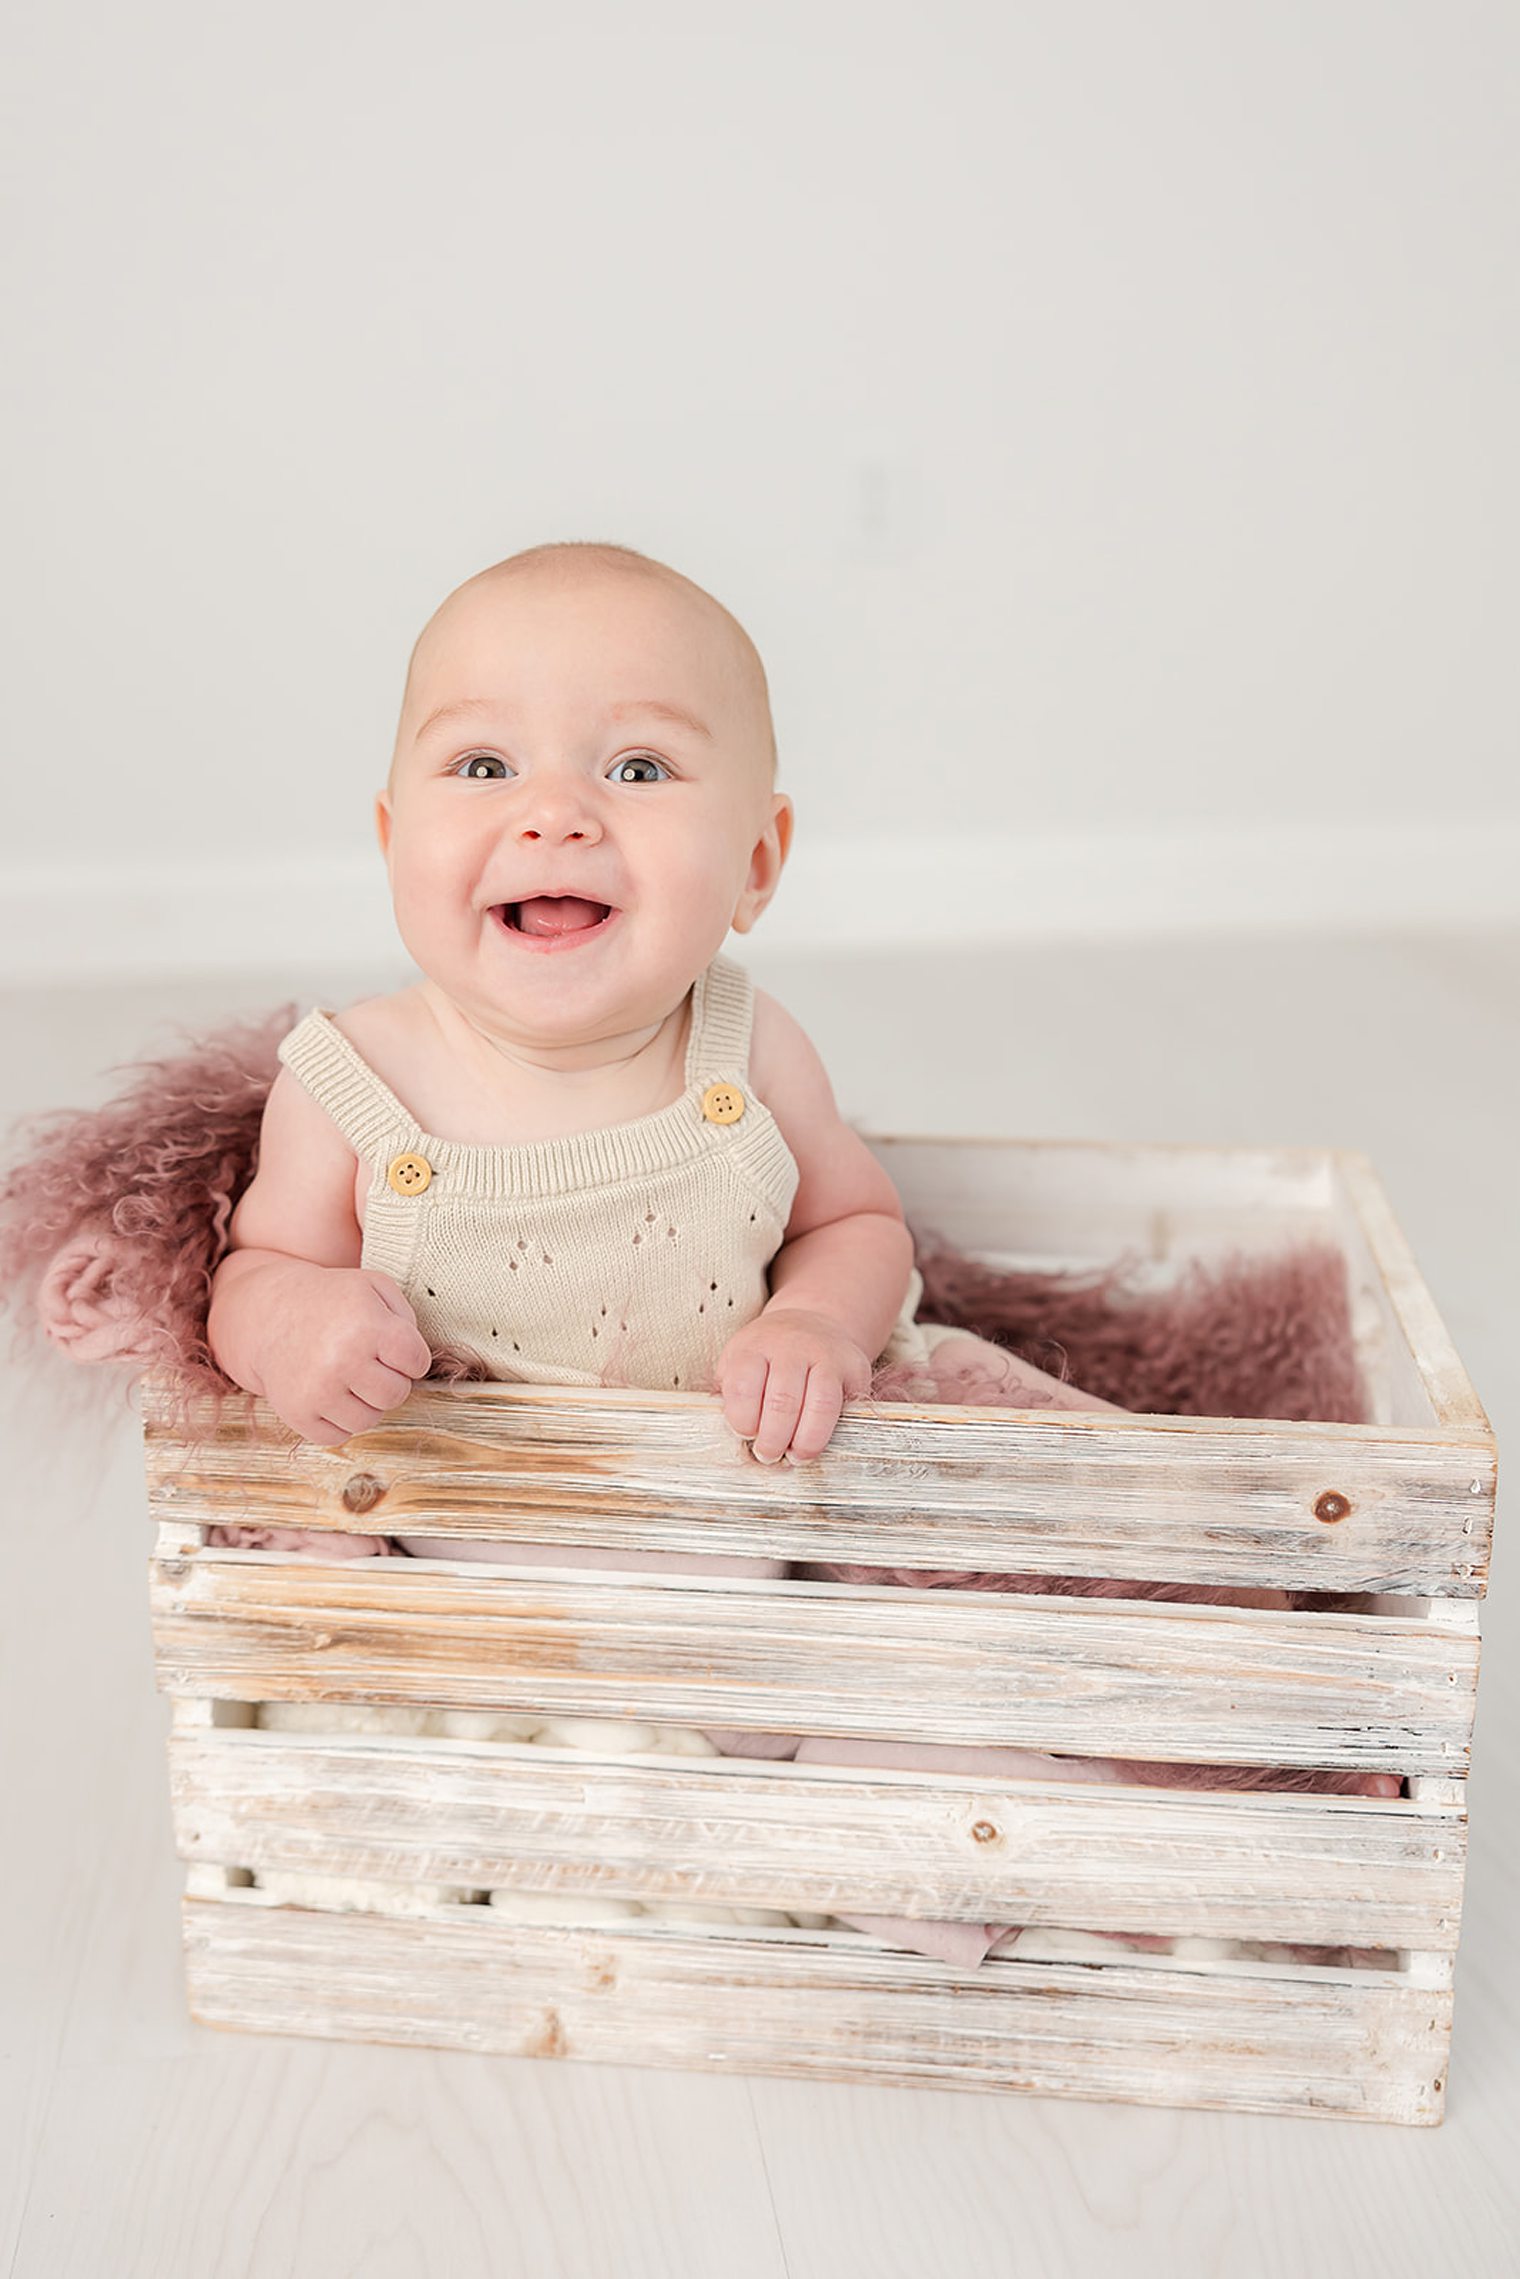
(582, 1144)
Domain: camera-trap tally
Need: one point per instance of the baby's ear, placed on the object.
(383, 822)
(766, 864)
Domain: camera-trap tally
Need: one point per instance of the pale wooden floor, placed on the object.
(133, 2142)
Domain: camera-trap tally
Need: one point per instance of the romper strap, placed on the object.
(369, 1116)
(722, 1009)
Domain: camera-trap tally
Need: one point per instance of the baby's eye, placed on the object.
(489, 767)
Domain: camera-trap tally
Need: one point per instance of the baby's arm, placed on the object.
(331, 1345)
(839, 1280)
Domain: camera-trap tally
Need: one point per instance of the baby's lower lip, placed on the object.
(551, 944)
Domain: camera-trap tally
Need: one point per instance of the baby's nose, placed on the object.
(559, 815)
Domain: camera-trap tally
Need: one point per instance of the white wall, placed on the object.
(1103, 417)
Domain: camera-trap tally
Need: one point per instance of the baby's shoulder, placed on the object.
(369, 1017)
(767, 1021)
(780, 1049)
(386, 1032)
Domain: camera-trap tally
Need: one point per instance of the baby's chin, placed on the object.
(561, 995)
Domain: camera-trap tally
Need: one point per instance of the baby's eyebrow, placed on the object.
(641, 707)
(658, 709)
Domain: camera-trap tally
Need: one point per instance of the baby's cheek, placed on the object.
(429, 885)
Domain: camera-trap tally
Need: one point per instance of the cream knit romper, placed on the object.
(626, 1255)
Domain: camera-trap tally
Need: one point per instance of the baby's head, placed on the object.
(580, 722)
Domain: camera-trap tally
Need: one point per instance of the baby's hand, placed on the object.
(785, 1377)
(347, 1349)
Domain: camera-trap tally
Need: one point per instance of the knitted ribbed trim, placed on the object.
(377, 1125)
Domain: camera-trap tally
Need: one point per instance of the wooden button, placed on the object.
(409, 1174)
(723, 1103)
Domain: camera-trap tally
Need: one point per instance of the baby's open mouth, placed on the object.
(555, 914)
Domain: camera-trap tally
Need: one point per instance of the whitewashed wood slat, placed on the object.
(176, 1538)
(1390, 1368)
(1323, 1870)
(1350, 2044)
(1086, 1677)
(1240, 1501)
(1417, 1338)
(1098, 1199)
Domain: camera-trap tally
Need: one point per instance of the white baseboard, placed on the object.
(859, 894)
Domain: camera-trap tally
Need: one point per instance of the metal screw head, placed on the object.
(984, 1832)
(1331, 1506)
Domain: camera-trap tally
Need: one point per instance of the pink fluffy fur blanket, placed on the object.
(113, 1220)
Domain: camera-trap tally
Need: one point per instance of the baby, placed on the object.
(582, 1144)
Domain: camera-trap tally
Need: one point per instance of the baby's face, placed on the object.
(592, 735)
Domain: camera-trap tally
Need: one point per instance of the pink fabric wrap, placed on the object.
(83, 1304)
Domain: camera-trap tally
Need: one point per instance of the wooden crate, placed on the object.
(1409, 1518)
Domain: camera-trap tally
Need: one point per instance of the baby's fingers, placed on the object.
(784, 1389)
(744, 1395)
(400, 1342)
(401, 1345)
(821, 1407)
(342, 1416)
(380, 1387)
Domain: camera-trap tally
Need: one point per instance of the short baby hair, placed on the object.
(570, 557)
(588, 553)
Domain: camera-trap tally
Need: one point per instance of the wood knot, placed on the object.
(362, 1492)
(549, 2038)
(984, 1832)
(1331, 1506)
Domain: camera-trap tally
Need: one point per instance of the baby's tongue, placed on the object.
(557, 914)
